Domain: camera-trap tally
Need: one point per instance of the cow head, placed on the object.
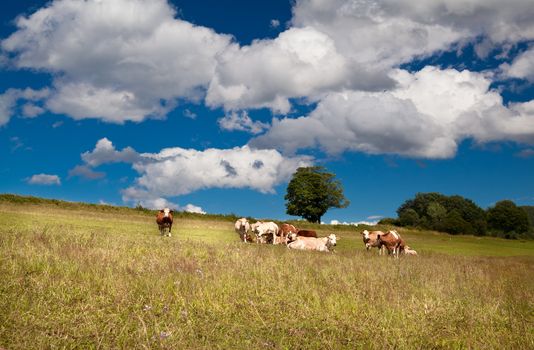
(166, 212)
(332, 240)
(291, 236)
(365, 235)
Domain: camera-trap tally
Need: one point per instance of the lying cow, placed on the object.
(266, 232)
(370, 239)
(307, 233)
(323, 244)
(164, 220)
(242, 227)
(392, 241)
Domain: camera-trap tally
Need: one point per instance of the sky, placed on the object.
(211, 106)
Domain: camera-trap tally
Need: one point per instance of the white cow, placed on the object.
(323, 244)
(265, 229)
(242, 227)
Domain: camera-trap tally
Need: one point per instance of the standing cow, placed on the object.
(164, 220)
(370, 239)
(265, 232)
(286, 230)
(242, 227)
(392, 241)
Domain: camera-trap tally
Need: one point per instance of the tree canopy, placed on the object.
(507, 218)
(435, 211)
(312, 191)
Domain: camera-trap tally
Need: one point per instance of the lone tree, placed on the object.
(312, 191)
(507, 218)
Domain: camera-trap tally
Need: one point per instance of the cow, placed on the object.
(242, 227)
(265, 232)
(370, 239)
(285, 232)
(164, 220)
(307, 233)
(323, 244)
(392, 241)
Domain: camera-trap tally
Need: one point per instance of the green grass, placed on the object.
(78, 277)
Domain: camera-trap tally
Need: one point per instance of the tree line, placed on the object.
(459, 215)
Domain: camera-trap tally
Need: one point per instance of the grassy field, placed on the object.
(92, 277)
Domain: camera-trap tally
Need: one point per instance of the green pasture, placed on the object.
(91, 278)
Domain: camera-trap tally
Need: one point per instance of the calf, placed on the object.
(164, 220)
(242, 227)
(323, 244)
(370, 239)
(409, 251)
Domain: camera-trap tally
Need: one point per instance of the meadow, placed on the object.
(97, 277)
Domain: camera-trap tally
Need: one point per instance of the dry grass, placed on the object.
(82, 279)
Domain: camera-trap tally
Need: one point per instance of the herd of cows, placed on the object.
(294, 238)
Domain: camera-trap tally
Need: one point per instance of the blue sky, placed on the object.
(212, 105)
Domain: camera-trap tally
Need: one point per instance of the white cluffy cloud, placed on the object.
(522, 67)
(44, 179)
(241, 121)
(426, 116)
(141, 58)
(177, 171)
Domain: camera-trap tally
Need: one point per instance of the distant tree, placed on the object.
(408, 217)
(312, 191)
(434, 211)
(506, 217)
(388, 221)
(529, 209)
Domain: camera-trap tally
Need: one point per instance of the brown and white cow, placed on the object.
(323, 244)
(266, 232)
(285, 232)
(164, 220)
(370, 239)
(392, 241)
(242, 227)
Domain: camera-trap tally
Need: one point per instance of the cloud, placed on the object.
(9, 99)
(426, 116)
(118, 60)
(526, 153)
(189, 114)
(86, 172)
(44, 179)
(522, 67)
(390, 32)
(300, 62)
(105, 152)
(177, 171)
(275, 23)
(241, 121)
(190, 208)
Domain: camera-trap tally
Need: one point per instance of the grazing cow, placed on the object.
(285, 231)
(323, 244)
(164, 220)
(370, 239)
(265, 232)
(242, 227)
(307, 233)
(392, 241)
